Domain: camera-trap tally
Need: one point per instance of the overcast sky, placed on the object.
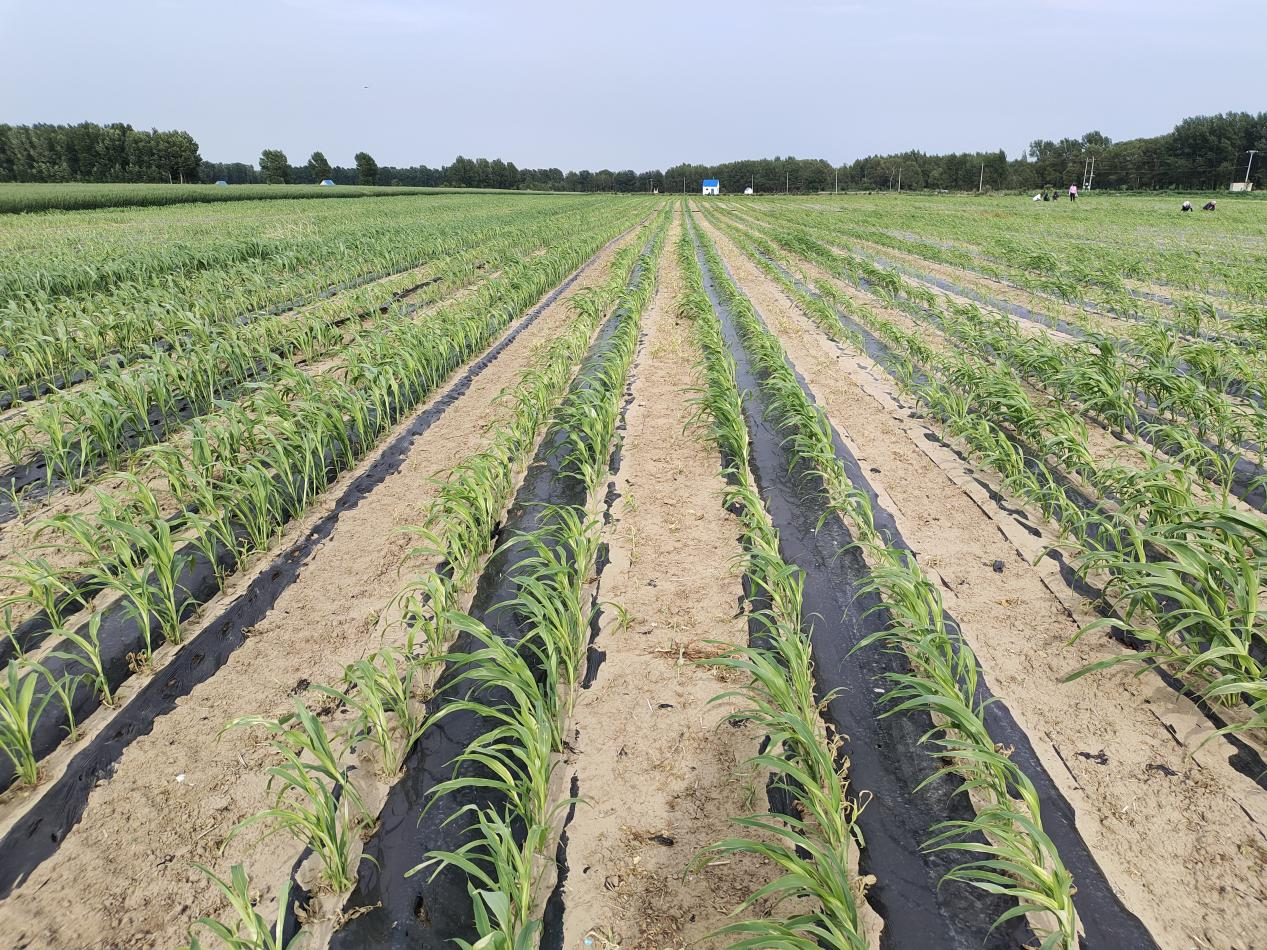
(632, 84)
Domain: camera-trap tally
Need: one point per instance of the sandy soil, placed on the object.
(179, 791)
(660, 777)
(1182, 839)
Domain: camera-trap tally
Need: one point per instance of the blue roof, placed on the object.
(710, 182)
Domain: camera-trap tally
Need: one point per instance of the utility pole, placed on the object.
(787, 183)
(837, 190)
(981, 179)
(899, 179)
(1252, 153)
(1091, 175)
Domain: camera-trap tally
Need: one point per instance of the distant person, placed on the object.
(1208, 206)
(1073, 192)
(1186, 206)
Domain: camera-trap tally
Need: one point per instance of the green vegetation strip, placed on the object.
(242, 478)
(816, 849)
(388, 689)
(1022, 862)
(202, 285)
(525, 690)
(100, 423)
(33, 198)
(1184, 570)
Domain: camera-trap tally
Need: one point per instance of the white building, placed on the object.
(711, 187)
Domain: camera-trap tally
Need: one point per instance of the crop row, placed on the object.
(1018, 858)
(1181, 570)
(53, 342)
(518, 687)
(815, 849)
(523, 690)
(243, 476)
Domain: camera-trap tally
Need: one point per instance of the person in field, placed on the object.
(1186, 206)
(1073, 192)
(1208, 206)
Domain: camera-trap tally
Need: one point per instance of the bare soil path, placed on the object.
(659, 776)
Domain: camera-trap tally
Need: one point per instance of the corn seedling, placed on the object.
(249, 931)
(315, 804)
(20, 711)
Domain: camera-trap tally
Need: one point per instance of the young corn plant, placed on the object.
(1022, 861)
(511, 762)
(384, 691)
(552, 598)
(316, 803)
(47, 588)
(20, 711)
(87, 642)
(249, 930)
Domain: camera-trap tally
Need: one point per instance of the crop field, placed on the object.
(74, 196)
(428, 570)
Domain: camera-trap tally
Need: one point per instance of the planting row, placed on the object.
(52, 341)
(498, 675)
(253, 470)
(1180, 564)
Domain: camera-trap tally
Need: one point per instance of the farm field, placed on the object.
(861, 571)
(74, 196)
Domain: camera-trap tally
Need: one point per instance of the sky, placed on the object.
(627, 85)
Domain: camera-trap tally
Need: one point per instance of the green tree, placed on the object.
(274, 167)
(366, 169)
(318, 167)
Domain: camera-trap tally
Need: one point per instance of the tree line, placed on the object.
(1201, 152)
(275, 168)
(91, 152)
